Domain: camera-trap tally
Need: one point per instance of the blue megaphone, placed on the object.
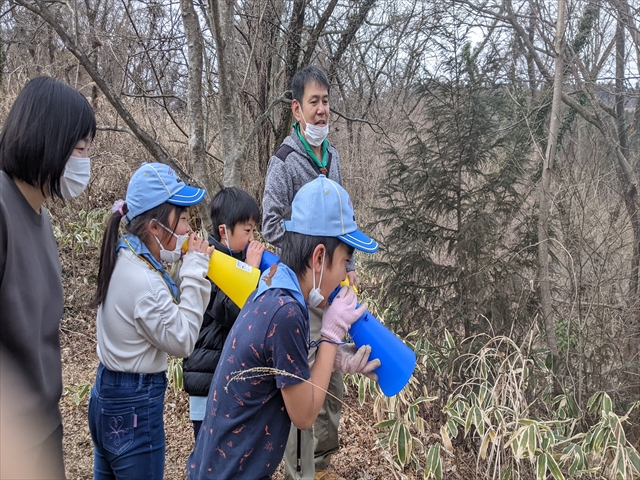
(397, 360)
(267, 259)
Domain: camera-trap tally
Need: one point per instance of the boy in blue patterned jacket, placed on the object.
(264, 381)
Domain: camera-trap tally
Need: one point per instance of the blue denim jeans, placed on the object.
(126, 424)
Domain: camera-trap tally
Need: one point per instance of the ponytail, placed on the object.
(108, 252)
(138, 227)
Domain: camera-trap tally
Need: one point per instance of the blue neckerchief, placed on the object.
(134, 244)
(285, 279)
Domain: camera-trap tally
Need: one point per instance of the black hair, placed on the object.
(44, 125)
(306, 76)
(297, 250)
(138, 227)
(231, 206)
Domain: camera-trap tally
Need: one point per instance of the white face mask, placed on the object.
(75, 177)
(315, 297)
(171, 256)
(226, 239)
(314, 135)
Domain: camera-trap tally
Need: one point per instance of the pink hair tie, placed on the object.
(117, 207)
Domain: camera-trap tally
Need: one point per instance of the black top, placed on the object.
(221, 314)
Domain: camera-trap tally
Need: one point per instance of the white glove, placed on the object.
(350, 359)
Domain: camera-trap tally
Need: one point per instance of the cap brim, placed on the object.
(188, 196)
(360, 241)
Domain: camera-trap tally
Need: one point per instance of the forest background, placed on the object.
(492, 147)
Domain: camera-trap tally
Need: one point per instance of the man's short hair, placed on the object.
(44, 125)
(297, 250)
(306, 76)
(231, 206)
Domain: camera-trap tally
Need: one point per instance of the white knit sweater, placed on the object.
(139, 324)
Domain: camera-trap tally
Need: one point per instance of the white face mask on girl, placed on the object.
(315, 297)
(171, 256)
(314, 135)
(75, 177)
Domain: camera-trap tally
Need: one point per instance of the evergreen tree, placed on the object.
(455, 234)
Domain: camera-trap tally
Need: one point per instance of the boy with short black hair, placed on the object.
(234, 215)
(264, 381)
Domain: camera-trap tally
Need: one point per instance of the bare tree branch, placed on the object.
(373, 125)
(38, 7)
(317, 30)
(260, 120)
(355, 22)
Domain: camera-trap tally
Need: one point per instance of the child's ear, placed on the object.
(221, 231)
(318, 253)
(154, 228)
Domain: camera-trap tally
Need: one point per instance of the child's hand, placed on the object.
(197, 244)
(340, 315)
(350, 359)
(353, 280)
(254, 253)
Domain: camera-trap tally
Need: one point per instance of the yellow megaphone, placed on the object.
(345, 283)
(234, 277)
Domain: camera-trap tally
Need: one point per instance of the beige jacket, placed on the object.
(139, 323)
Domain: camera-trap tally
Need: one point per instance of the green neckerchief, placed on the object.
(307, 147)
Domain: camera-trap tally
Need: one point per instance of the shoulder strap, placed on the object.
(329, 158)
(283, 152)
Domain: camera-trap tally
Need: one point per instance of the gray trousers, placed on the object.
(319, 442)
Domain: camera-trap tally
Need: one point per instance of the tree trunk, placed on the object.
(195, 113)
(265, 86)
(545, 183)
(222, 20)
(630, 196)
(294, 40)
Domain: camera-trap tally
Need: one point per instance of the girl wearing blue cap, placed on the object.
(143, 315)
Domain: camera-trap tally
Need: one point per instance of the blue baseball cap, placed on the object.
(323, 208)
(156, 183)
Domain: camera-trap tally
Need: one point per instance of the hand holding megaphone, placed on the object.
(397, 360)
(266, 260)
(254, 252)
(351, 359)
(197, 244)
(340, 314)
